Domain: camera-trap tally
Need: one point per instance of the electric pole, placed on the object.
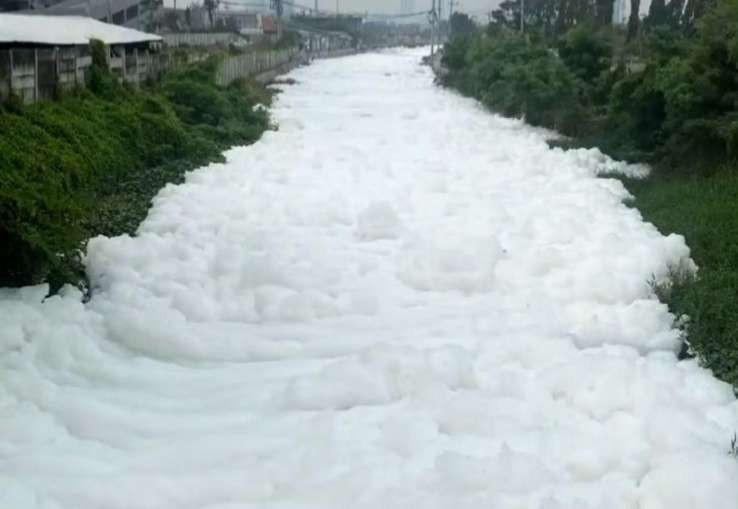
(278, 7)
(522, 16)
(433, 30)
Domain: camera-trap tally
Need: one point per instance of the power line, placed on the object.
(246, 3)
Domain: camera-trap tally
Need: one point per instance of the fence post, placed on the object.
(57, 69)
(35, 75)
(150, 71)
(10, 73)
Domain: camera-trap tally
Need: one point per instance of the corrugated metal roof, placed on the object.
(65, 30)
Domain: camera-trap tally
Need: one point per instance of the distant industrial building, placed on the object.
(139, 14)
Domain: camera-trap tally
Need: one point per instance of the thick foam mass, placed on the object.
(395, 300)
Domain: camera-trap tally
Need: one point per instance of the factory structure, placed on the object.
(138, 14)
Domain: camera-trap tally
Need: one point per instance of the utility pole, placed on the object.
(440, 20)
(279, 9)
(522, 16)
(433, 29)
(315, 11)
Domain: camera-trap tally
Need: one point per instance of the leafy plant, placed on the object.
(90, 163)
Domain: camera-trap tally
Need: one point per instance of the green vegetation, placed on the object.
(703, 208)
(664, 91)
(90, 163)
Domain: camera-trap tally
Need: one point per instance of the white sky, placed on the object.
(479, 7)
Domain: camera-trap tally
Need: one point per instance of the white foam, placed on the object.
(395, 300)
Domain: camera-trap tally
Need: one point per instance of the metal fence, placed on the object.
(41, 73)
(252, 64)
(206, 39)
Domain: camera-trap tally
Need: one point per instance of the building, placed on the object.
(247, 23)
(344, 23)
(139, 14)
(40, 55)
(270, 27)
(407, 6)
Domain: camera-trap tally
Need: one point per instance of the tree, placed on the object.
(585, 52)
(633, 19)
(539, 14)
(658, 14)
(461, 25)
(675, 10)
(211, 6)
(603, 12)
(694, 10)
(553, 17)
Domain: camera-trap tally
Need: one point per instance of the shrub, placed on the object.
(585, 52)
(515, 77)
(90, 163)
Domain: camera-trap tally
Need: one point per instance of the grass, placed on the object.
(702, 206)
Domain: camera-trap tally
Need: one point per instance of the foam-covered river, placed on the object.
(397, 300)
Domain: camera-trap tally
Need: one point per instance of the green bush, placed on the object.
(515, 77)
(89, 164)
(585, 52)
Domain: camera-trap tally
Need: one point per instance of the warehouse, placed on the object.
(42, 55)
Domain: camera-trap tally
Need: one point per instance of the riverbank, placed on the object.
(663, 101)
(89, 163)
(703, 208)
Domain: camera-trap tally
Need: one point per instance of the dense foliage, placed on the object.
(555, 17)
(515, 78)
(669, 97)
(90, 163)
(703, 208)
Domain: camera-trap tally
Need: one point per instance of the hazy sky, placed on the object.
(392, 6)
(479, 7)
